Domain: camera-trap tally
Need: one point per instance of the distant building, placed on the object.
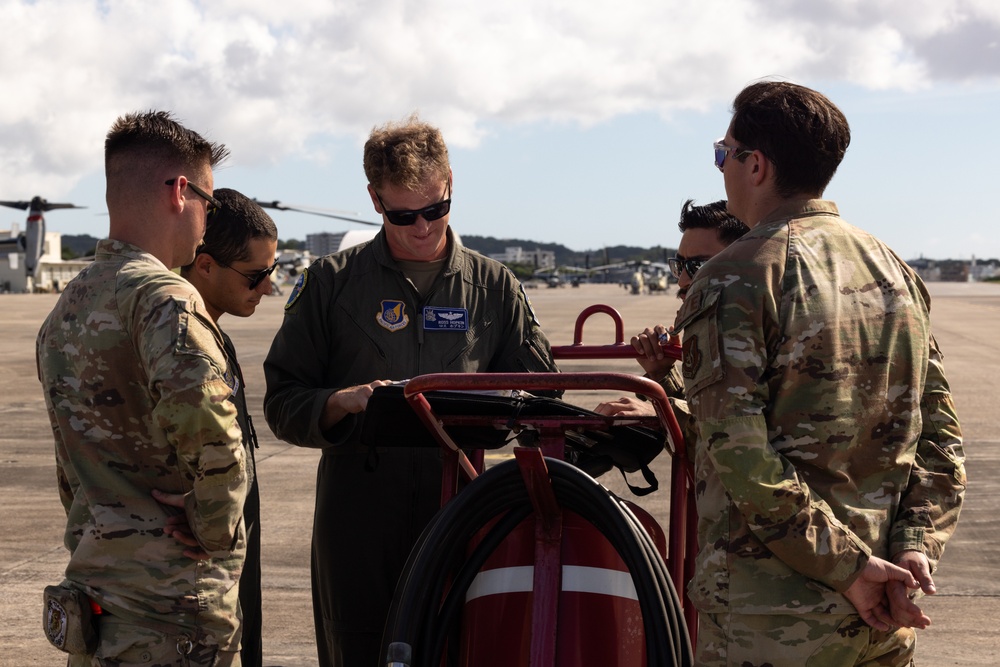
(52, 274)
(540, 259)
(954, 270)
(325, 243)
(984, 269)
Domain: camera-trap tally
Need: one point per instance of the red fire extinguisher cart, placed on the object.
(533, 562)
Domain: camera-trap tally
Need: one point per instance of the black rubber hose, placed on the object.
(455, 602)
(420, 620)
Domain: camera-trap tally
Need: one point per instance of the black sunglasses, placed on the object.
(406, 218)
(254, 278)
(213, 204)
(679, 263)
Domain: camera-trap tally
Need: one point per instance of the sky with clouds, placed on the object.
(574, 121)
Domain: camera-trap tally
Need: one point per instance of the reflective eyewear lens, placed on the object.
(254, 278)
(722, 151)
(406, 218)
(259, 277)
(720, 154)
(678, 264)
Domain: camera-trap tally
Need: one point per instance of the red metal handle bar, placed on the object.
(619, 350)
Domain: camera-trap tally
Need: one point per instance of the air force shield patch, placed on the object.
(393, 315)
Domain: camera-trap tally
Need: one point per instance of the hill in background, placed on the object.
(489, 245)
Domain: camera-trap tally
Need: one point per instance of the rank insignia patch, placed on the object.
(692, 357)
(438, 318)
(393, 316)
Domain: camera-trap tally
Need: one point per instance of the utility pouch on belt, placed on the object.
(68, 620)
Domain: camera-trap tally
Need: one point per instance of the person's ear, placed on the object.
(371, 193)
(760, 168)
(203, 263)
(177, 200)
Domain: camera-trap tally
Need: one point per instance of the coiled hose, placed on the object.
(419, 623)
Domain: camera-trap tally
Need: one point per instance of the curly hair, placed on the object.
(407, 153)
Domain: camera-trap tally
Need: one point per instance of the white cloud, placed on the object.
(268, 78)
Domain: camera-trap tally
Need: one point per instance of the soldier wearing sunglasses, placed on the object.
(232, 271)
(411, 301)
(137, 385)
(705, 232)
(830, 460)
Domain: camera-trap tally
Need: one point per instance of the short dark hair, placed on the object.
(229, 230)
(799, 130)
(154, 137)
(406, 154)
(712, 216)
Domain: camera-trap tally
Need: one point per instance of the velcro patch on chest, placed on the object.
(439, 318)
(692, 357)
(393, 315)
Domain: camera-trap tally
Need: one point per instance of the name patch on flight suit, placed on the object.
(437, 318)
(393, 315)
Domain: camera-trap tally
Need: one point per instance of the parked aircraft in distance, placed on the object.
(32, 241)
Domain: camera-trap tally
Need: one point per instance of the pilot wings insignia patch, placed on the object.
(439, 318)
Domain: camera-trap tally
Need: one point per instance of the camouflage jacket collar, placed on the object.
(799, 208)
(108, 249)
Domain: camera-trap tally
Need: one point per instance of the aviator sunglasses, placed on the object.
(679, 263)
(722, 151)
(213, 203)
(406, 218)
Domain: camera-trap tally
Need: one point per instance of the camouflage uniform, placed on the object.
(354, 318)
(136, 384)
(827, 429)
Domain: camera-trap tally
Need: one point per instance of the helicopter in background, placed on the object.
(293, 262)
(31, 242)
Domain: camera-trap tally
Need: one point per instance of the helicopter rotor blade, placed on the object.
(285, 207)
(39, 203)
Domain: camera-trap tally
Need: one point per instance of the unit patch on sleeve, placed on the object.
(300, 285)
(393, 315)
(440, 318)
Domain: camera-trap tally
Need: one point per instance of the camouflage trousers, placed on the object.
(124, 644)
(813, 640)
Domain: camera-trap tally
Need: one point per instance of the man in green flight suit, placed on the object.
(410, 302)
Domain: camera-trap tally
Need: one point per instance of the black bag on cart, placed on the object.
(594, 450)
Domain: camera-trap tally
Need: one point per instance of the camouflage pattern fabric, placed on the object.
(800, 640)
(137, 386)
(125, 644)
(827, 430)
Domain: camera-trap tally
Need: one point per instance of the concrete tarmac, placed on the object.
(965, 612)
